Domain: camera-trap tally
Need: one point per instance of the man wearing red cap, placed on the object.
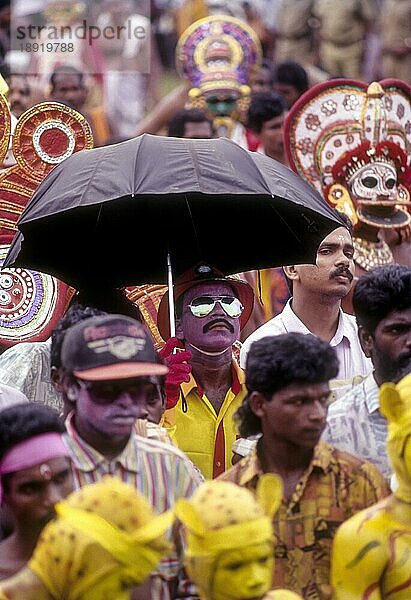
(211, 310)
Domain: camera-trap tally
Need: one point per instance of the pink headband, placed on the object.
(31, 452)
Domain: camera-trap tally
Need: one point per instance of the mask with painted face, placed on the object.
(229, 552)
(350, 141)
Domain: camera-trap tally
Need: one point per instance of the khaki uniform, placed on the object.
(293, 31)
(395, 28)
(342, 33)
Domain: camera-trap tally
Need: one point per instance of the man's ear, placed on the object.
(256, 401)
(366, 341)
(69, 388)
(291, 272)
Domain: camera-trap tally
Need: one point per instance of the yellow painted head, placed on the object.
(395, 402)
(230, 538)
(105, 540)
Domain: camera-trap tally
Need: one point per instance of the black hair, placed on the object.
(347, 223)
(75, 313)
(263, 107)
(21, 422)
(292, 73)
(65, 70)
(177, 123)
(379, 292)
(274, 362)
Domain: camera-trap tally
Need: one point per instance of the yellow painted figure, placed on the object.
(230, 548)
(371, 558)
(104, 541)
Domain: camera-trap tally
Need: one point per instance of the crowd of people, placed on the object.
(256, 445)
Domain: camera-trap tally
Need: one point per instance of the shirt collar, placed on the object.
(237, 375)
(251, 465)
(293, 323)
(87, 459)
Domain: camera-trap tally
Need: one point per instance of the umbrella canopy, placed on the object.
(109, 216)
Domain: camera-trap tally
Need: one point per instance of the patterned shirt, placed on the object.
(355, 424)
(335, 486)
(160, 472)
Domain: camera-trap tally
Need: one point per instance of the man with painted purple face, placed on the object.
(211, 310)
(110, 373)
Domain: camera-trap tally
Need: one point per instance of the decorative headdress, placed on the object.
(147, 298)
(217, 55)
(340, 127)
(32, 303)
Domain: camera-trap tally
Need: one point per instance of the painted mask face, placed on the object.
(244, 573)
(112, 407)
(375, 182)
(221, 105)
(375, 190)
(216, 331)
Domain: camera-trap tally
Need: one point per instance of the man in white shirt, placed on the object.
(382, 304)
(315, 307)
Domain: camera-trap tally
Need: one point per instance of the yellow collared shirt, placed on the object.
(205, 436)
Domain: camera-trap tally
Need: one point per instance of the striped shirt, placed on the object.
(160, 472)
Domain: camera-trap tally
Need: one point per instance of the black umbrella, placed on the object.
(109, 216)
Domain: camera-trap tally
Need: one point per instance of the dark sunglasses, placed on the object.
(203, 305)
(105, 392)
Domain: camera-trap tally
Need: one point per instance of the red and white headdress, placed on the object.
(339, 130)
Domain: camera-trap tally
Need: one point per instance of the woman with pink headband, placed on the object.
(35, 473)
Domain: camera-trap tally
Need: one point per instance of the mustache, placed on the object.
(210, 324)
(342, 271)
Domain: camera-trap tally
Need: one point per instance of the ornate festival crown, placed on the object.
(218, 53)
(342, 125)
(31, 303)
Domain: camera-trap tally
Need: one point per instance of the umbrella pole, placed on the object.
(171, 297)
(173, 318)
